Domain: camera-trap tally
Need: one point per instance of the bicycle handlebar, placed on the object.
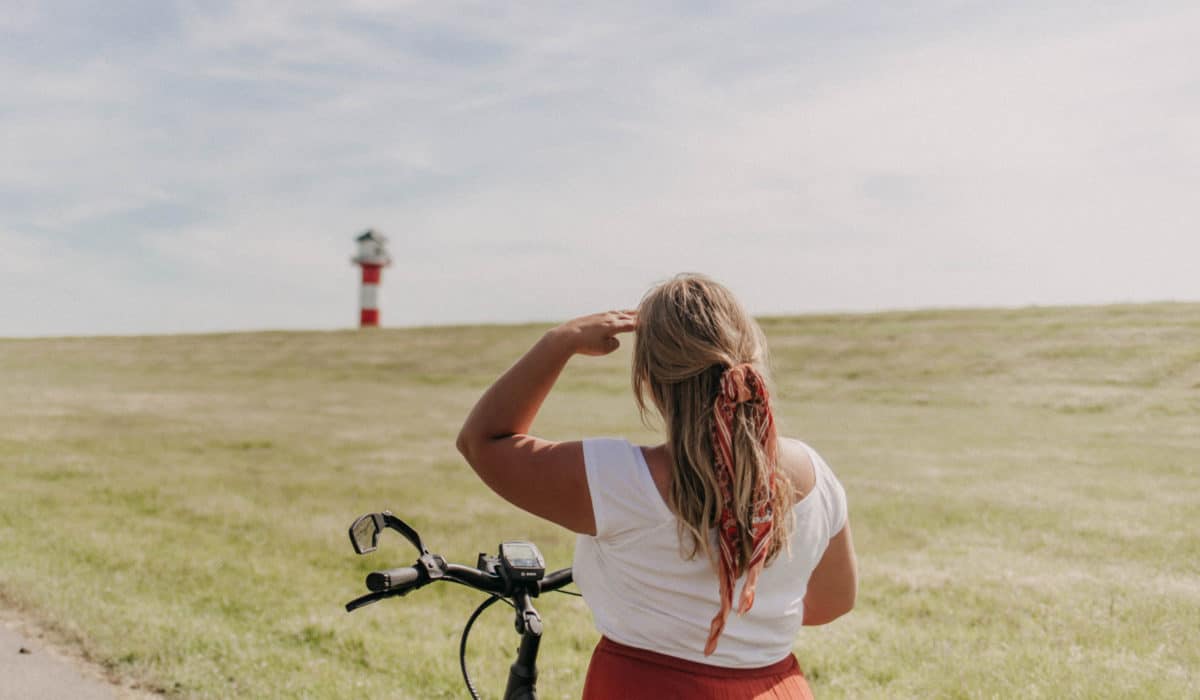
(491, 574)
(494, 583)
(400, 580)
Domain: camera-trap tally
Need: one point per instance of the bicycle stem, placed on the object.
(522, 675)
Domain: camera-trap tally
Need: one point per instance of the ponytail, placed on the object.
(698, 357)
(745, 457)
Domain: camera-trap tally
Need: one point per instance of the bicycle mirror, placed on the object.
(364, 533)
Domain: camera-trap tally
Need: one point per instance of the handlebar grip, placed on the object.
(389, 579)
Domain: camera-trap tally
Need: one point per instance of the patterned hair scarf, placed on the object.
(741, 384)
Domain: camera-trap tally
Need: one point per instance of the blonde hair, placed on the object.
(691, 329)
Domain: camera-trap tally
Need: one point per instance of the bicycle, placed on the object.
(516, 575)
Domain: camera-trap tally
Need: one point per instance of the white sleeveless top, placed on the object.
(644, 594)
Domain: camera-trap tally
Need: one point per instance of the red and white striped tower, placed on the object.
(372, 257)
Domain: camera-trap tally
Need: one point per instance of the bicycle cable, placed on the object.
(462, 646)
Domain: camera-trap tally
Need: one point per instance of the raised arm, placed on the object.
(543, 477)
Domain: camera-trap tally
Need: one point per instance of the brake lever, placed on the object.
(368, 599)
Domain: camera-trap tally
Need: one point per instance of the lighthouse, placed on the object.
(372, 257)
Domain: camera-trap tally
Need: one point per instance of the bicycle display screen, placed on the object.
(522, 560)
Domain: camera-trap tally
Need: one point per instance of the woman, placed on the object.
(723, 517)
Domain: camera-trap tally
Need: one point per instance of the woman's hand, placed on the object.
(596, 334)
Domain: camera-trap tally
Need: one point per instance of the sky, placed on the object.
(173, 167)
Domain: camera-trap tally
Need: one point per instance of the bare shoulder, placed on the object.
(796, 462)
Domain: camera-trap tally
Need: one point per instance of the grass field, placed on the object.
(1024, 487)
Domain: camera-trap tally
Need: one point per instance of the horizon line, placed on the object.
(890, 311)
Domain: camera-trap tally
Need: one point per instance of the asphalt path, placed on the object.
(31, 668)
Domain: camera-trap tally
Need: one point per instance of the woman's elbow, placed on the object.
(470, 448)
(814, 618)
(478, 450)
(829, 610)
(847, 603)
(463, 443)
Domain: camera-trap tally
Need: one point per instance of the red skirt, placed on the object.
(618, 672)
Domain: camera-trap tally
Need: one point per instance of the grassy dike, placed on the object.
(1024, 488)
